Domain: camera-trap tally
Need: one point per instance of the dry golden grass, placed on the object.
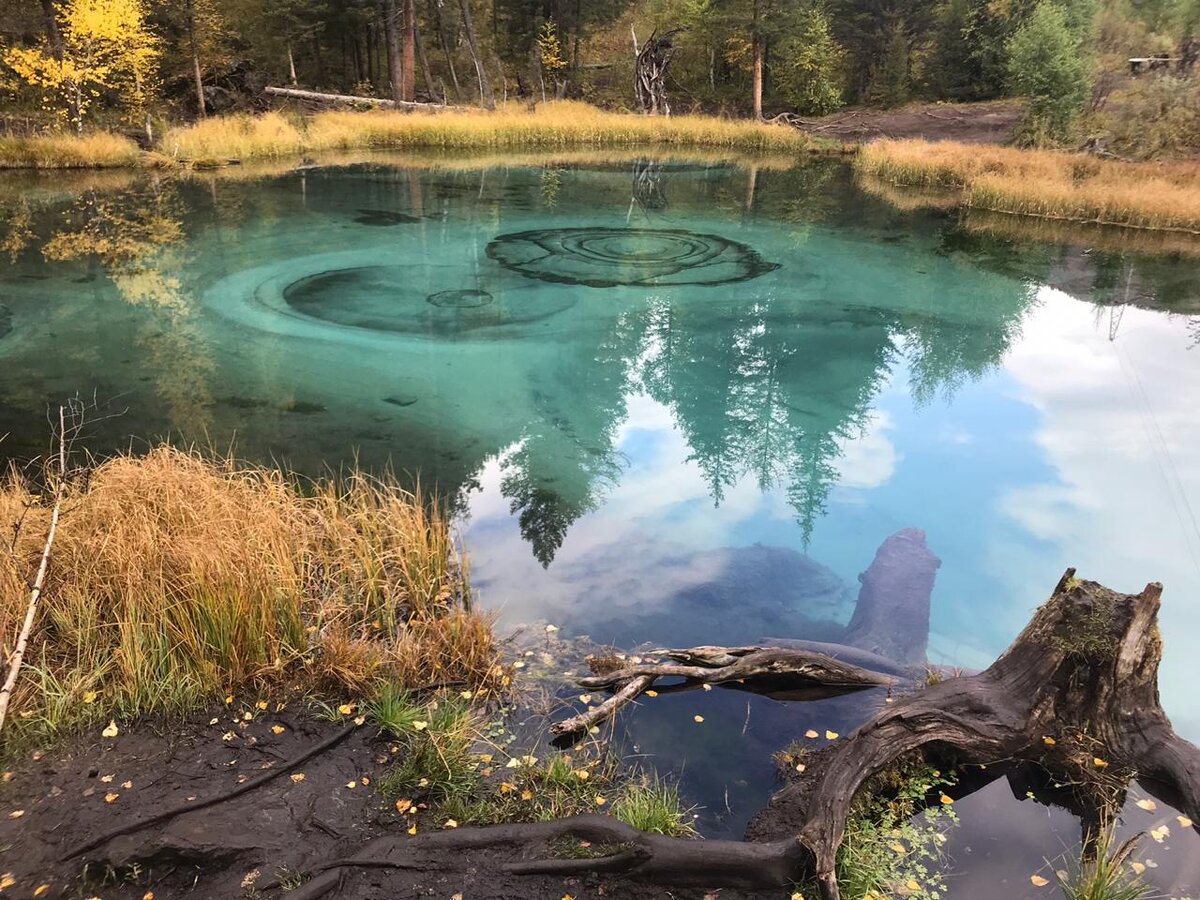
(177, 578)
(551, 126)
(64, 150)
(1045, 184)
(269, 136)
(558, 124)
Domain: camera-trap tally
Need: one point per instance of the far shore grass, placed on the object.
(559, 125)
(1043, 184)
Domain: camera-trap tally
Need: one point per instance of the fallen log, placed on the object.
(348, 99)
(1075, 695)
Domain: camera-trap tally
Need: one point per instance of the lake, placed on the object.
(674, 401)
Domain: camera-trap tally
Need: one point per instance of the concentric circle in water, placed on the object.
(608, 257)
(459, 299)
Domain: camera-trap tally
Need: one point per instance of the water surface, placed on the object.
(679, 402)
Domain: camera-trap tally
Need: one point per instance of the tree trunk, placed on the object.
(392, 37)
(195, 48)
(291, 65)
(426, 72)
(486, 98)
(1074, 698)
(436, 12)
(408, 81)
(757, 41)
(54, 39)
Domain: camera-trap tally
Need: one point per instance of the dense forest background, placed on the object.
(104, 60)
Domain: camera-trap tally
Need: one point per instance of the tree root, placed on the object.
(1075, 695)
(129, 827)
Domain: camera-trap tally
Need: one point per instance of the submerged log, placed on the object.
(1076, 694)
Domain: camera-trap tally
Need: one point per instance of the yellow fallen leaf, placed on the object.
(796, 895)
(149, 895)
(583, 774)
(947, 799)
(7, 777)
(420, 726)
(403, 806)
(811, 734)
(111, 797)
(567, 897)
(550, 629)
(277, 729)
(466, 695)
(229, 700)
(600, 801)
(16, 814)
(898, 849)
(831, 735)
(1099, 763)
(366, 780)
(651, 693)
(351, 784)
(1160, 833)
(89, 696)
(228, 736)
(800, 767)
(1038, 881)
(41, 889)
(485, 757)
(450, 823)
(346, 708)
(112, 730)
(360, 720)
(262, 704)
(1138, 868)
(527, 795)
(247, 716)
(1148, 805)
(518, 665)
(1049, 741)
(1184, 821)
(107, 779)
(297, 777)
(213, 721)
(7, 881)
(413, 828)
(698, 718)
(707, 687)
(585, 698)
(128, 785)
(912, 885)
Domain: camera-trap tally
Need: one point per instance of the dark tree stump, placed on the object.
(1076, 694)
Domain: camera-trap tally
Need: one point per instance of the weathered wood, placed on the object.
(1075, 695)
(350, 99)
(650, 72)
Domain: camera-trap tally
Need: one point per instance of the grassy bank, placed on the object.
(94, 150)
(177, 579)
(274, 135)
(1069, 187)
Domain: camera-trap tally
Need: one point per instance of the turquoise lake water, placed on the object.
(676, 402)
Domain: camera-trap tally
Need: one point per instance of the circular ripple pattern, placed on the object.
(459, 299)
(646, 257)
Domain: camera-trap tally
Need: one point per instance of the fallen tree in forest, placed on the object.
(1075, 697)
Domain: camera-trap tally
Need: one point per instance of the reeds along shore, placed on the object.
(276, 135)
(177, 578)
(1045, 184)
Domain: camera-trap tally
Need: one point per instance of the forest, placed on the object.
(141, 63)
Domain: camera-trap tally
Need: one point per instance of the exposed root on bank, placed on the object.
(1075, 695)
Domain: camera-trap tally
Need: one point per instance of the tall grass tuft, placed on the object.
(1044, 183)
(1107, 876)
(269, 136)
(65, 150)
(177, 578)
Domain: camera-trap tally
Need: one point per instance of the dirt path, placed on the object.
(990, 122)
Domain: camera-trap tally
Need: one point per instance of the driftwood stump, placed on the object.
(1075, 695)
